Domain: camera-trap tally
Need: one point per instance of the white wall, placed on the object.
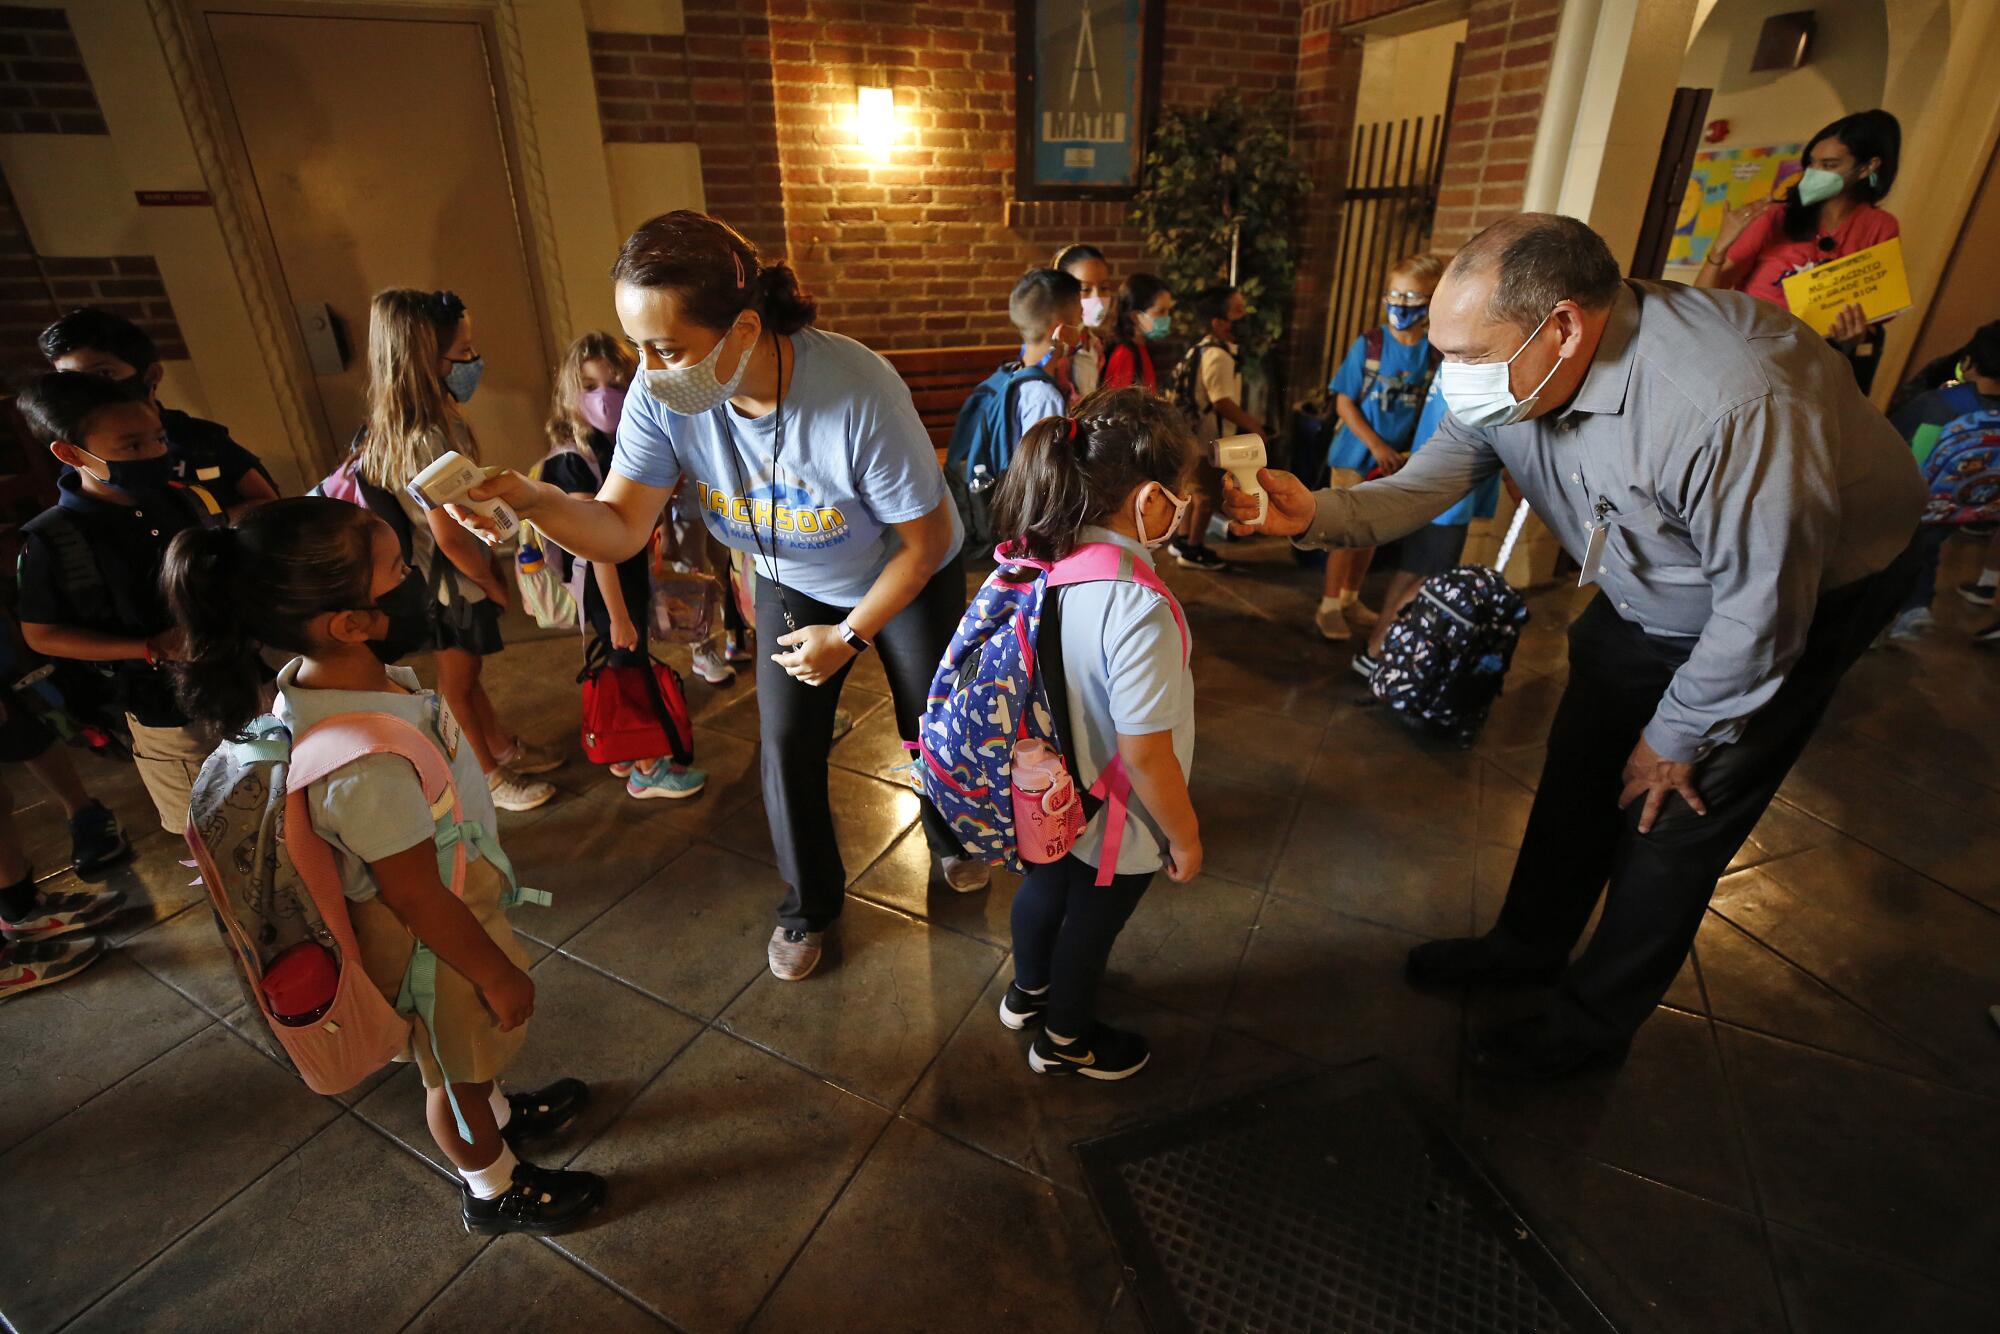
(1846, 70)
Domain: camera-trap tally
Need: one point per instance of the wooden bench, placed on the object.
(940, 378)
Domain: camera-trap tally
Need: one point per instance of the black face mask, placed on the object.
(407, 606)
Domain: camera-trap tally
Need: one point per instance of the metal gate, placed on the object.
(1386, 212)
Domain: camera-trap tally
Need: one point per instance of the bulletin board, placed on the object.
(1725, 178)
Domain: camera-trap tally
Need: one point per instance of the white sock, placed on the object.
(1059, 1041)
(1030, 991)
(503, 1111)
(1329, 604)
(487, 1183)
(1349, 598)
(1989, 578)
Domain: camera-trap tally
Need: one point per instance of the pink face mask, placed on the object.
(602, 407)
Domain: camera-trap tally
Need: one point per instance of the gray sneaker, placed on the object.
(511, 792)
(794, 954)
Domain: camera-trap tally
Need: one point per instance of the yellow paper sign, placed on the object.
(1874, 277)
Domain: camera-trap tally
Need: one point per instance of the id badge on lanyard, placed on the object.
(1593, 547)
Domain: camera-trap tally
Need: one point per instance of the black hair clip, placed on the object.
(448, 306)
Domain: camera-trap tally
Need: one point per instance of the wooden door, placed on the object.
(377, 151)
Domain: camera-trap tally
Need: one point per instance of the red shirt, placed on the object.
(1769, 256)
(1120, 366)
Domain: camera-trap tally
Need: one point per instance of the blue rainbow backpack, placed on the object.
(1961, 461)
(1000, 684)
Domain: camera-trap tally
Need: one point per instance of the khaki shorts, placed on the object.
(474, 1048)
(169, 760)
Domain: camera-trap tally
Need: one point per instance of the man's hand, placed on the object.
(1648, 774)
(817, 652)
(1291, 509)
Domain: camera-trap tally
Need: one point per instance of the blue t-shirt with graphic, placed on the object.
(1393, 401)
(856, 459)
(1481, 501)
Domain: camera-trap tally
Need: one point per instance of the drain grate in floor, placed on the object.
(1328, 1204)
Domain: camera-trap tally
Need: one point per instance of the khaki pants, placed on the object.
(169, 759)
(474, 1048)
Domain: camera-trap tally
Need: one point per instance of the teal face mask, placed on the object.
(1818, 185)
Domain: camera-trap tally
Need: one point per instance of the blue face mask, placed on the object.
(1404, 318)
(462, 377)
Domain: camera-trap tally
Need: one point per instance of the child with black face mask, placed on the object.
(312, 577)
(90, 566)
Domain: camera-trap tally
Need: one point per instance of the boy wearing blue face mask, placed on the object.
(1378, 393)
(90, 566)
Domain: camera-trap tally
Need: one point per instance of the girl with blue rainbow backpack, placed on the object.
(1061, 723)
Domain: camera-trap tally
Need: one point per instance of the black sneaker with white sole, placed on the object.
(1018, 1009)
(1198, 558)
(1989, 635)
(1102, 1053)
(1978, 594)
(545, 1112)
(542, 1200)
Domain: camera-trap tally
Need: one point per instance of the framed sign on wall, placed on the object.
(1086, 86)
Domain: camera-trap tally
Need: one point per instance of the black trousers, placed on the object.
(796, 723)
(1577, 839)
(1065, 924)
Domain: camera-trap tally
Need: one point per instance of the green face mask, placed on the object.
(1818, 185)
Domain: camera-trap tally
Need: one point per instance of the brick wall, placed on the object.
(44, 88)
(35, 289)
(1502, 83)
(711, 86)
(922, 250)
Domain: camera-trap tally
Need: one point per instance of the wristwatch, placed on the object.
(853, 641)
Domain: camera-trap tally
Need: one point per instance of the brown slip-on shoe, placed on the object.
(794, 954)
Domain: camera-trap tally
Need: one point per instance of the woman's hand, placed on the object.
(1850, 325)
(817, 653)
(1183, 861)
(1291, 508)
(510, 998)
(1736, 221)
(624, 634)
(523, 495)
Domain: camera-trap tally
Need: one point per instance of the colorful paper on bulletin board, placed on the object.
(1874, 277)
(1726, 178)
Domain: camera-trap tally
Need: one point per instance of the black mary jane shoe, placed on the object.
(541, 1200)
(545, 1112)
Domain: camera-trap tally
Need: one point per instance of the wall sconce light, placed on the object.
(875, 119)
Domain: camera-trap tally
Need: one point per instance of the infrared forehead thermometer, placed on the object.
(446, 482)
(1241, 456)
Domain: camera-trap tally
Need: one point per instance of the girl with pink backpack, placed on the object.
(1107, 483)
(323, 580)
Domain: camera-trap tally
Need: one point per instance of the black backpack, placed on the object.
(1182, 383)
(1446, 657)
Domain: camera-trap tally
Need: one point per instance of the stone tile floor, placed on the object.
(1803, 1139)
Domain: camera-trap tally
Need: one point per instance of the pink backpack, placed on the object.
(275, 885)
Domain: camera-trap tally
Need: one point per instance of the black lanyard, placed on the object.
(743, 487)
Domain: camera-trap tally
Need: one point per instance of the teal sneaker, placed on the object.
(669, 780)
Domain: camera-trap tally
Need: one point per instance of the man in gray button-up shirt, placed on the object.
(1711, 463)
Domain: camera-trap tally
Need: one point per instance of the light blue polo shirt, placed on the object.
(856, 460)
(1123, 659)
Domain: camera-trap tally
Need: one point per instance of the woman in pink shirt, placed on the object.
(1830, 213)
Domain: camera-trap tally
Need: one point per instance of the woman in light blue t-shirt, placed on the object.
(803, 450)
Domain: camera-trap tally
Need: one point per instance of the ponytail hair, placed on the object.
(1076, 470)
(235, 590)
(714, 271)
